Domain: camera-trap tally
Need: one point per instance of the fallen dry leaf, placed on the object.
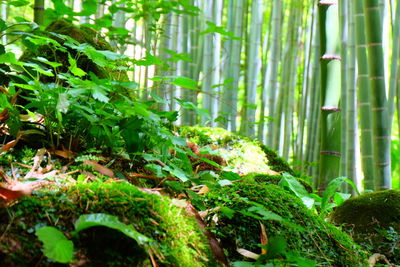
(376, 257)
(272, 172)
(64, 153)
(99, 168)
(11, 144)
(215, 246)
(203, 190)
(4, 115)
(247, 253)
(16, 190)
(264, 238)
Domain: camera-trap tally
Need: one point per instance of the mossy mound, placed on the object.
(83, 35)
(243, 206)
(241, 153)
(179, 241)
(373, 219)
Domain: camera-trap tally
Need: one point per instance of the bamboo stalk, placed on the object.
(363, 99)
(330, 92)
(379, 103)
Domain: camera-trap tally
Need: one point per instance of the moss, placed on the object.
(318, 240)
(277, 163)
(274, 179)
(179, 240)
(241, 153)
(373, 219)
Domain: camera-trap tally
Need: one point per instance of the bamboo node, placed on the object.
(376, 78)
(328, 2)
(374, 44)
(372, 8)
(383, 163)
(379, 109)
(329, 108)
(382, 137)
(330, 153)
(330, 57)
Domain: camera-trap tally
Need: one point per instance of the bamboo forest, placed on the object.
(242, 133)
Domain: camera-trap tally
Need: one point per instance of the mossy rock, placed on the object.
(179, 241)
(242, 207)
(81, 34)
(241, 153)
(373, 219)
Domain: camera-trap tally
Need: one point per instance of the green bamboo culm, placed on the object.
(344, 17)
(351, 105)
(363, 98)
(38, 12)
(379, 103)
(330, 92)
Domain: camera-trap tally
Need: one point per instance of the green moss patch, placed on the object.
(241, 208)
(274, 179)
(242, 154)
(179, 241)
(373, 219)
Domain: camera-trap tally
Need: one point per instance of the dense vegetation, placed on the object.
(102, 152)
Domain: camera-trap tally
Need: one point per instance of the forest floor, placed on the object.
(243, 206)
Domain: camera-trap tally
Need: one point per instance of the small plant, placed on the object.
(58, 248)
(330, 197)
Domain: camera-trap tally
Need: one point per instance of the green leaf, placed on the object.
(3, 25)
(63, 103)
(227, 212)
(159, 99)
(224, 182)
(232, 176)
(73, 67)
(276, 246)
(19, 3)
(185, 83)
(10, 58)
(298, 189)
(156, 169)
(101, 219)
(243, 264)
(330, 190)
(56, 246)
(177, 172)
(89, 7)
(100, 94)
(266, 214)
(149, 60)
(40, 69)
(339, 198)
(109, 55)
(50, 63)
(61, 8)
(189, 105)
